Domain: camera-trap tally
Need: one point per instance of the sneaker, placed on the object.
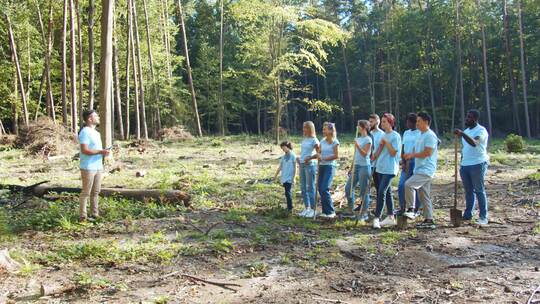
(303, 212)
(323, 215)
(309, 213)
(331, 215)
(388, 222)
(376, 224)
(426, 224)
(364, 217)
(482, 222)
(410, 214)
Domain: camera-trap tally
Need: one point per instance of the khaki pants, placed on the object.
(421, 184)
(91, 186)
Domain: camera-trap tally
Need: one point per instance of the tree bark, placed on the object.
(80, 57)
(116, 80)
(510, 69)
(128, 67)
(188, 68)
(64, 66)
(91, 73)
(430, 70)
(73, 68)
(139, 68)
(348, 106)
(164, 15)
(18, 71)
(50, 98)
(135, 72)
(485, 68)
(221, 112)
(523, 72)
(153, 84)
(460, 68)
(105, 72)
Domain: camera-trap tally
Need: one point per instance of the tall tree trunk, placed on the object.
(64, 67)
(139, 68)
(73, 66)
(105, 72)
(128, 67)
(523, 72)
(153, 84)
(188, 68)
(460, 67)
(430, 69)
(80, 57)
(348, 106)
(508, 48)
(44, 40)
(221, 112)
(18, 71)
(116, 80)
(485, 68)
(135, 72)
(165, 26)
(91, 73)
(50, 99)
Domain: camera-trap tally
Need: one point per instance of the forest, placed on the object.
(254, 66)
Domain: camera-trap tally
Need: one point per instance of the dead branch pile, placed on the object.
(46, 138)
(176, 133)
(7, 140)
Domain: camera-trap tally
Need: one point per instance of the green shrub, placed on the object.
(514, 143)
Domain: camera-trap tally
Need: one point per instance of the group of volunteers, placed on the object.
(380, 154)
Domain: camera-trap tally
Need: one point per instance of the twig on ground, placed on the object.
(529, 301)
(193, 278)
(328, 300)
(472, 264)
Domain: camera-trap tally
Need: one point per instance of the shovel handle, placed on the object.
(455, 170)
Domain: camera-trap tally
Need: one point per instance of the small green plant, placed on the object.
(285, 259)
(514, 143)
(222, 246)
(390, 237)
(85, 281)
(28, 268)
(536, 229)
(296, 237)
(236, 216)
(216, 142)
(258, 269)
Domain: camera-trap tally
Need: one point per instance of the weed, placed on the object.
(236, 215)
(514, 143)
(296, 237)
(222, 246)
(285, 259)
(390, 237)
(536, 229)
(28, 269)
(258, 269)
(85, 281)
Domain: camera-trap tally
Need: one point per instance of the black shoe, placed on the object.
(426, 224)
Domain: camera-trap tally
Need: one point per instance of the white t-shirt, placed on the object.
(470, 155)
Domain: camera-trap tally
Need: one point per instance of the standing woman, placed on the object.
(329, 152)
(387, 155)
(308, 168)
(362, 169)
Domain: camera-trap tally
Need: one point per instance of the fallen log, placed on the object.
(163, 196)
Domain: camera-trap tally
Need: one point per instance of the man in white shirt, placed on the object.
(474, 165)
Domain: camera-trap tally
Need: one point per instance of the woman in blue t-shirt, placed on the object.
(362, 169)
(387, 155)
(308, 168)
(328, 153)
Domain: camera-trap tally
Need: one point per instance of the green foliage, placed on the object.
(390, 237)
(514, 143)
(257, 269)
(222, 246)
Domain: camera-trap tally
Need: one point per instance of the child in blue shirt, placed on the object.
(287, 167)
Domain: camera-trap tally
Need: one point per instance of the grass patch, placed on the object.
(536, 229)
(390, 237)
(257, 269)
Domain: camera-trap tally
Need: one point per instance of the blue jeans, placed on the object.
(384, 195)
(307, 183)
(473, 183)
(288, 195)
(361, 176)
(326, 176)
(405, 175)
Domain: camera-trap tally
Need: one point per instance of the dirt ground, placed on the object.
(237, 232)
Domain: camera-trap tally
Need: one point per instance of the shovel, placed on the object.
(401, 219)
(456, 216)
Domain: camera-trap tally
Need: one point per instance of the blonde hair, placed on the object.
(311, 127)
(331, 126)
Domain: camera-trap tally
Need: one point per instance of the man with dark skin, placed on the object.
(474, 165)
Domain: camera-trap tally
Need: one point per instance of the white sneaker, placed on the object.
(323, 215)
(303, 212)
(482, 222)
(388, 222)
(309, 213)
(331, 215)
(410, 215)
(376, 224)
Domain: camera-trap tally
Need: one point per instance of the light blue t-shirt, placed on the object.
(91, 137)
(475, 155)
(409, 140)
(377, 135)
(426, 166)
(360, 160)
(307, 148)
(327, 150)
(386, 163)
(288, 167)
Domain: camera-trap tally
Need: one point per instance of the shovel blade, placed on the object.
(456, 217)
(402, 222)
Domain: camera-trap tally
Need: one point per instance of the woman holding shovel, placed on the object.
(329, 152)
(387, 156)
(308, 168)
(361, 171)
